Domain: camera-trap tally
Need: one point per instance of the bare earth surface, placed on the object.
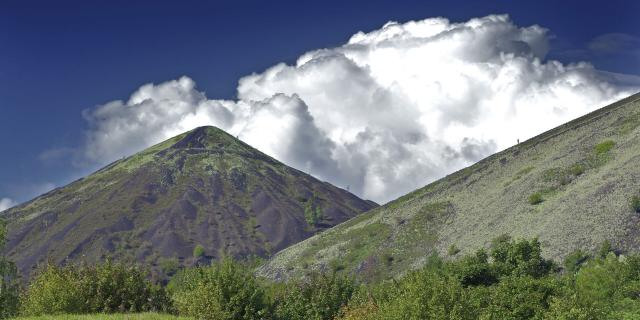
(202, 188)
(571, 187)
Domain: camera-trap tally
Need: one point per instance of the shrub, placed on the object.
(336, 265)
(427, 294)
(604, 249)
(574, 261)
(576, 169)
(521, 298)
(313, 212)
(107, 288)
(565, 180)
(474, 270)
(602, 289)
(225, 290)
(319, 297)
(9, 289)
(184, 280)
(520, 258)
(169, 265)
(56, 290)
(117, 287)
(365, 311)
(453, 250)
(635, 203)
(604, 147)
(198, 251)
(535, 198)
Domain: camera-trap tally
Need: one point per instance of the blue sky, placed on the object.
(60, 58)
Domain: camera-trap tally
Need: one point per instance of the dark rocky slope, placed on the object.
(202, 189)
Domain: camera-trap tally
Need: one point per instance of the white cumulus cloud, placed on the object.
(6, 203)
(385, 113)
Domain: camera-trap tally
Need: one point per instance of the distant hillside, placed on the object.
(571, 186)
(190, 199)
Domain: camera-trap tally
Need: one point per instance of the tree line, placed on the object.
(510, 280)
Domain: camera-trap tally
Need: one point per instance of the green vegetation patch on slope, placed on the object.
(352, 247)
(376, 248)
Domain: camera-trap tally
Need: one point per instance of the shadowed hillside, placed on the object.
(185, 201)
(572, 187)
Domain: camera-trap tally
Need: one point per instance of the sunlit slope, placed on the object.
(571, 187)
(189, 200)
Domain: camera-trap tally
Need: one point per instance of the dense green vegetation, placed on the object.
(510, 280)
(319, 296)
(106, 288)
(225, 290)
(123, 316)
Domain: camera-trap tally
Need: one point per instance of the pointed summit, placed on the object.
(203, 188)
(207, 137)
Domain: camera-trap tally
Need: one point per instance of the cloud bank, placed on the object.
(385, 113)
(6, 203)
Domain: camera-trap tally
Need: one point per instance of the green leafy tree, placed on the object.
(473, 270)
(56, 290)
(313, 211)
(602, 289)
(427, 294)
(225, 290)
(106, 288)
(319, 297)
(574, 261)
(117, 287)
(521, 297)
(520, 258)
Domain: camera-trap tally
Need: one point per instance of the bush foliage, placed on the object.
(604, 147)
(226, 290)
(198, 251)
(509, 280)
(635, 203)
(107, 288)
(535, 198)
(318, 297)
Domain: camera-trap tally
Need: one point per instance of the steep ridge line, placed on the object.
(585, 200)
(203, 188)
(587, 118)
